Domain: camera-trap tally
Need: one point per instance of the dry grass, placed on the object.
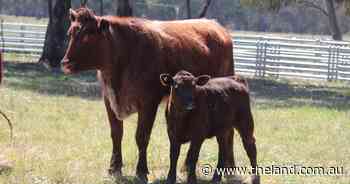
(62, 134)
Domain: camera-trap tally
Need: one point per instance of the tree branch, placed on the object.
(205, 9)
(9, 123)
(83, 2)
(315, 6)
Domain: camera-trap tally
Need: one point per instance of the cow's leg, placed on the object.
(174, 155)
(191, 161)
(221, 156)
(116, 135)
(146, 117)
(246, 130)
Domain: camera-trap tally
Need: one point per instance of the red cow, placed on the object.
(130, 54)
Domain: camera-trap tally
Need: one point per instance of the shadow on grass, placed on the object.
(35, 77)
(284, 93)
(134, 180)
(265, 92)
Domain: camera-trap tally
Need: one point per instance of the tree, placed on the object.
(83, 2)
(330, 10)
(55, 39)
(202, 13)
(205, 9)
(333, 21)
(124, 8)
(188, 8)
(101, 7)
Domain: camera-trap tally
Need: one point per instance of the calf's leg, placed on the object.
(221, 155)
(229, 154)
(174, 155)
(191, 161)
(146, 117)
(116, 125)
(246, 130)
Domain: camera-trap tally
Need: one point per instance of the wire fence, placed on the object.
(260, 56)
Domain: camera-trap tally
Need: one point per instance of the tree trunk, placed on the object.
(124, 8)
(83, 2)
(56, 39)
(205, 9)
(188, 7)
(101, 7)
(333, 21)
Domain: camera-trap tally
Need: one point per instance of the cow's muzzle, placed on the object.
(67, 66)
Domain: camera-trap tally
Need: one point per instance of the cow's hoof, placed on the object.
(255, 179)
(141, 178)
(115, 173)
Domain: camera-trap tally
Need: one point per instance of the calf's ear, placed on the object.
(103, 26)
(202, 80)
(166, 79)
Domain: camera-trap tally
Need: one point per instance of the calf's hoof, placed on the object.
(253, 179)
(171, 180)
(141, 178)
(216, 178)
(192, 180)
(233, 179)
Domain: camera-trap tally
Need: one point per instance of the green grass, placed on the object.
(62, 133)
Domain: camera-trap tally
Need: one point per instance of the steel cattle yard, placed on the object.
(260, 56)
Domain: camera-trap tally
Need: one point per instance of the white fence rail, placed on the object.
(261, 56)
(294, 58)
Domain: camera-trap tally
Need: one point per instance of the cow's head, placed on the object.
(88, 41)
(183, 86)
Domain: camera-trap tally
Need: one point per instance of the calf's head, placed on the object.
(183, 89)
(88, 41)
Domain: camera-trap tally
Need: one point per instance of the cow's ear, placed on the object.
(166, 79)
(202, 80)
(103, 26)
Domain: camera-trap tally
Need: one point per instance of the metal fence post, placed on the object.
(265, 45)
(336, 62)
(2, 35)
(329, 67)
(257, 61)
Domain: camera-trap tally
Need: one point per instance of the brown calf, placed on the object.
(199, 108)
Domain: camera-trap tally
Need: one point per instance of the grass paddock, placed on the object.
(62, 135)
